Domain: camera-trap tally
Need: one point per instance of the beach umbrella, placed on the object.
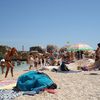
(79, 47)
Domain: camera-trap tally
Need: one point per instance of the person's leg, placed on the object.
(30, 67)
(2, 67)
(7, 70)
(8, 65)
(12, 71)
(36, 66)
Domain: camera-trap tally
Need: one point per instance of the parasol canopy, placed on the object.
(79, 47)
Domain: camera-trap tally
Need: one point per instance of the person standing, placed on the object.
(36, 62)
(31, 61)
(8, 60)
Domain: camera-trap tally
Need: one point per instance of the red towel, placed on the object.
(50, 91)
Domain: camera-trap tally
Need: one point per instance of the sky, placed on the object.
(41, 22)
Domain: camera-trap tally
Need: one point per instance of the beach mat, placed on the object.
(7, 84)
(9, 94)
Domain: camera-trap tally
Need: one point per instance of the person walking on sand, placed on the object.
(8, 60)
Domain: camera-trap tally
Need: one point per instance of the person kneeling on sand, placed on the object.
(63, 67)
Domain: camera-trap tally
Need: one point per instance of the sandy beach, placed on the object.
(60, 38)
(73, 85)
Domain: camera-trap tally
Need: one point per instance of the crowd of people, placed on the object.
(51, 59)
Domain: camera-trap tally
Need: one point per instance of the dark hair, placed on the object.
(98, 44)
(53, 86)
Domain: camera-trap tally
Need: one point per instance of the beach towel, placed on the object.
(9, 94)
(50, 91)
(34, 81)
(6, 90)
(7, 84)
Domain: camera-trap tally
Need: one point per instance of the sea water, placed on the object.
(21, 67)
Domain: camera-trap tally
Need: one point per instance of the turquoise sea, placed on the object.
(21, 67)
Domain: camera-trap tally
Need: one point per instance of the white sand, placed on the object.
(71, 86)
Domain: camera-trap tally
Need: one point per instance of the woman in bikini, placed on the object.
(8, 60)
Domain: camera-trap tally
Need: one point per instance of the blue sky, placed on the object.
(42, 22)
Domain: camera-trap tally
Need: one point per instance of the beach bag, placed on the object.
(34, 81)
(63, 67)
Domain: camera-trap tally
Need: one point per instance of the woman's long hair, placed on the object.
(13, 51)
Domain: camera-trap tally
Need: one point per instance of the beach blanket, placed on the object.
(6, 90)
(7, 84)
(9, 94)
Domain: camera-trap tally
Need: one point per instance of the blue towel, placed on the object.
(33, 81)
